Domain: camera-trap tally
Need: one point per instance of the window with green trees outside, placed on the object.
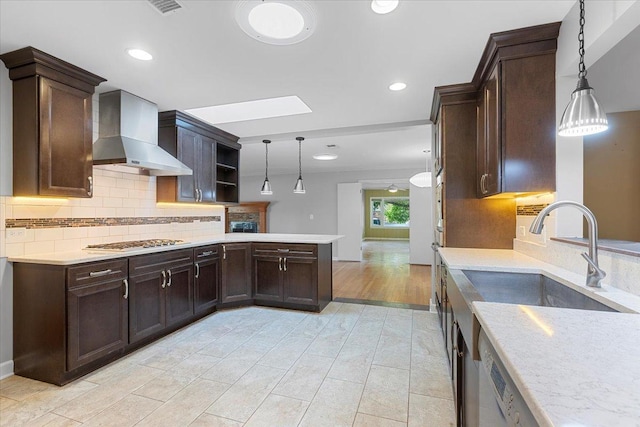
(390, 212)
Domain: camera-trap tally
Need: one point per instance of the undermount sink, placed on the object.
(529, 289)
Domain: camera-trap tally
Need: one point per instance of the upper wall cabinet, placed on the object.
(516, 129)
(52, 125)
(213, 154)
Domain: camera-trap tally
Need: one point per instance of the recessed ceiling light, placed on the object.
(278, 22)
(140, 54)
(384, 6)
(397, 86)
(251, 110)
(325, 156)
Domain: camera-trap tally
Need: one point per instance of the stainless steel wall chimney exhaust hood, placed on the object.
(129, 137)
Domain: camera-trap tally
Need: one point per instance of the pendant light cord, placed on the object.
(299, 158)
(582, 70)
(266, 161)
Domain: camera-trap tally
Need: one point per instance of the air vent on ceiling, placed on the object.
(165, 6)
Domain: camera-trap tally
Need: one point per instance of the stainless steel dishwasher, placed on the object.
(500, 402)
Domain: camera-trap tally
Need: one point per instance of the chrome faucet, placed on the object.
(594, 273)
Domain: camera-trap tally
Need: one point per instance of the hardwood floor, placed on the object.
(383, 275)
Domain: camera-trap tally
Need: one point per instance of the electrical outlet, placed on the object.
(14, 235)
(522, 231)
(311, 216)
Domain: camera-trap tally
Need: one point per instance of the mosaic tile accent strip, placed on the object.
(104, 222)
(530, 210)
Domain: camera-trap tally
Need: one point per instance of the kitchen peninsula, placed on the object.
(76, 311)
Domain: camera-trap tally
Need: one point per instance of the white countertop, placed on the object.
(573, 367)
(81, 256)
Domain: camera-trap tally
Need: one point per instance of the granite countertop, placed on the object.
(81, 256)
(572, 367)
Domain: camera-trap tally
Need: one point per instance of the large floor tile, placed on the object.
(430, 411)
(19, 388)
(52, 420)
(208, 420)
(304, 379)
(194, 366)
(366, 420)
(386, 393)
(163, 387)
(352, 364)
(124, 413)
(431, 382)
(285, 353)
(278, 411)
(335, 404)
(393, 351)
(245, 396)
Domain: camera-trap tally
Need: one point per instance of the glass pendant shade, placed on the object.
(266, 185)
(299, 187)
(583, 115)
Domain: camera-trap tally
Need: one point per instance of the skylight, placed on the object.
(251, 110)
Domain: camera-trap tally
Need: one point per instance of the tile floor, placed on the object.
(351, 365)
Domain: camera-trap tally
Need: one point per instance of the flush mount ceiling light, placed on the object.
(422, 179)
(299, 188)
(384, 6)
(140, 54)
(266, 185)
(277, 22)
(392, 188)
(397, 86)
(583, 115)
(325, 156)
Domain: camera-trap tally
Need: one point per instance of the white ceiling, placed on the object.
(202, 57)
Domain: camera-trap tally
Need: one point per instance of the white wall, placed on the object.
(421, 226)
(290, 213)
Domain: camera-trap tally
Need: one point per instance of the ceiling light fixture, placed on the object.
(392, 188)
(299, 188)
(266, 185)
(384, 6)
(583, 115)
(421, 179)
(140, 54)
(325, 156)
(397, 86)
(277, 22)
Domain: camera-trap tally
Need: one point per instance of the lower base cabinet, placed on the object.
(235, 282)
(206, 279)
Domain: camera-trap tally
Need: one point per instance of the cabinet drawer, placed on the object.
(154, 262)
(206, 252)
(297, 250)
(97, 272)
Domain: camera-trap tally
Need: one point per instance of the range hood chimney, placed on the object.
(129, 137)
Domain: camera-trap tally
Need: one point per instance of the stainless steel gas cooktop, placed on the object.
(132, 245)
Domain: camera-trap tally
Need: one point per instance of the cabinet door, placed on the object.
(66, 149)
(188, 153)
(301, 280)
(236, 272)
(267, 277)
(491, 176)
(96, 321)
(207, 169)
(146, 305)
(179, 293)
(206, 282)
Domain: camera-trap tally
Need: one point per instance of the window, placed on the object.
(390, 212)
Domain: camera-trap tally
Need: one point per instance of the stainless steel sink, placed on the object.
(529, 289)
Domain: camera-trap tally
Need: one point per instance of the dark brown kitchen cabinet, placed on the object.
(291, 275)
(68, 320)
(516, 112)
(211, 153)
(207, 278)
(235, 279)
(160, 292)
(52, 125)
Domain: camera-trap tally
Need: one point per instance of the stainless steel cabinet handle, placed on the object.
(206, 253)
(90, 192)
(164, 279)
(126, 288)
(224, 252)
(197, 270)
(199, 195)
(169, 274)
(482, 180)
(100, 273)
(285, 264)
(280, 263)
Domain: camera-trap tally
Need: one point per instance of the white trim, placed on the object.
(6, 369)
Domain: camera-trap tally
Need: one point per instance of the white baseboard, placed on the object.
(6, 369)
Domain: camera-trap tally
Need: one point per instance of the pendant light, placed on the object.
(266, 186)
(583, 115)
(299, 188)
